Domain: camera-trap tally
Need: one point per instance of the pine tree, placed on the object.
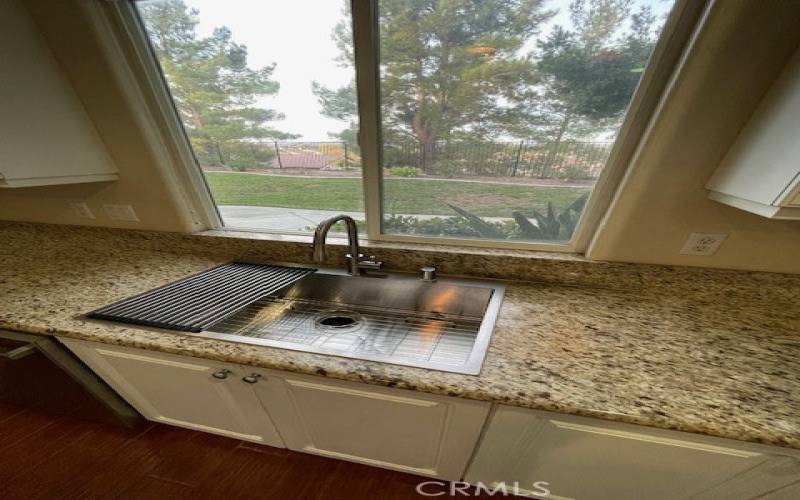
(214, 90)
(451, 69)
(591, 70)
(464, 70)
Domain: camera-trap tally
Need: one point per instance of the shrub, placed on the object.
(404, 171)
(573, 172)
(553, 225)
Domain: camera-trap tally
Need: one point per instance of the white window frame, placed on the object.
(123, 35)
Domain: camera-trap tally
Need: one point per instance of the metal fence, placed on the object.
(566, 159)
(563, 160)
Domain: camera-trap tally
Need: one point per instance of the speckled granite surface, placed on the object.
(650, 350)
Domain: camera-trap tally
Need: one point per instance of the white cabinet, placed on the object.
(791, 492)
(396, 429)
(46, 136)
(761, 171)
(585, 458)
(182, 391)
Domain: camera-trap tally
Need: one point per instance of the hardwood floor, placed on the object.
(50, 457)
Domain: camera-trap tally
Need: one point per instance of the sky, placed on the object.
(296, 34)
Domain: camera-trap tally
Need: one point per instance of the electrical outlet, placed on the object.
(703, 243)
(121, 212)
(82, 210)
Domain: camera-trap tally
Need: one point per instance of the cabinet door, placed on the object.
(790, 492)
(391, 428)
(590, 458)
(768, 479)
(182, 391)
(796, 200)
(46, 136)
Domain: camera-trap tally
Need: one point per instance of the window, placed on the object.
(250, 82)
(485, 122)
(498, 116)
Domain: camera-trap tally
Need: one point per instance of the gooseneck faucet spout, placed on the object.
(355, 261)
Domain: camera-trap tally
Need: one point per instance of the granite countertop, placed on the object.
(658, 356)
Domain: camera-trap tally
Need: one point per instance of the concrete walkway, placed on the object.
(293, 219)
(277, 219)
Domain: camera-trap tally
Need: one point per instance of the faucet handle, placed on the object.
(366, 263)
(370, 263)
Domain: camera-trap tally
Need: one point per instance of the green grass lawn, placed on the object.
(403, 196)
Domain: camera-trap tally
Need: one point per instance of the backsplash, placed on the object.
(701, 285)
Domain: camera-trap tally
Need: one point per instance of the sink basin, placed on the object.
(394, 318)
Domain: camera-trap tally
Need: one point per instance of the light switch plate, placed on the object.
(121, 212)
(82, 210)
(703, 243)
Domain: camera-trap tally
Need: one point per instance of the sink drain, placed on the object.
(339, 320)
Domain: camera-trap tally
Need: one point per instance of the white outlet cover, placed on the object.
(121, 212)
(703, 243)
(82, 210)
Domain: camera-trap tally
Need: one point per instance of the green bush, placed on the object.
(573, 172)
(553, 225)
(404, 171)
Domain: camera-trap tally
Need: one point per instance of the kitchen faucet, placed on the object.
(355, 260)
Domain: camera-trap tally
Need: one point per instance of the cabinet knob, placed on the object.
(251, 379)
(222, 374)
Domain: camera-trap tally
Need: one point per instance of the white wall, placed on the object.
(141, 184)
(663, 198)
(46, 137)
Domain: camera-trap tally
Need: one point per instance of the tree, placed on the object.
(214, 90)
(340, 104)
(591, 70)
(451, 69)
(472, 70)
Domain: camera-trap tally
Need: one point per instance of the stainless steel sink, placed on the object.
(394, 318)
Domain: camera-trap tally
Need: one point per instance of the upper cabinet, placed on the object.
(46, 137)
(761, 172)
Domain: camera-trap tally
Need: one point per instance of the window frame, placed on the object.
(123, 34)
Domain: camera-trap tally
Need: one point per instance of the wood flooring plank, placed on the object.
(250, 474)
(356, 481)
(8, 410)
(66, 474)
(190, 457)
(130, 464)
(68, 459)
(31, 451)
(151, 488)
(22, 424)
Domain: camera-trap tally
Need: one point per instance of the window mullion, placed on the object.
(366, 48)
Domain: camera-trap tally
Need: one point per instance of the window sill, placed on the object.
(339, 242)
